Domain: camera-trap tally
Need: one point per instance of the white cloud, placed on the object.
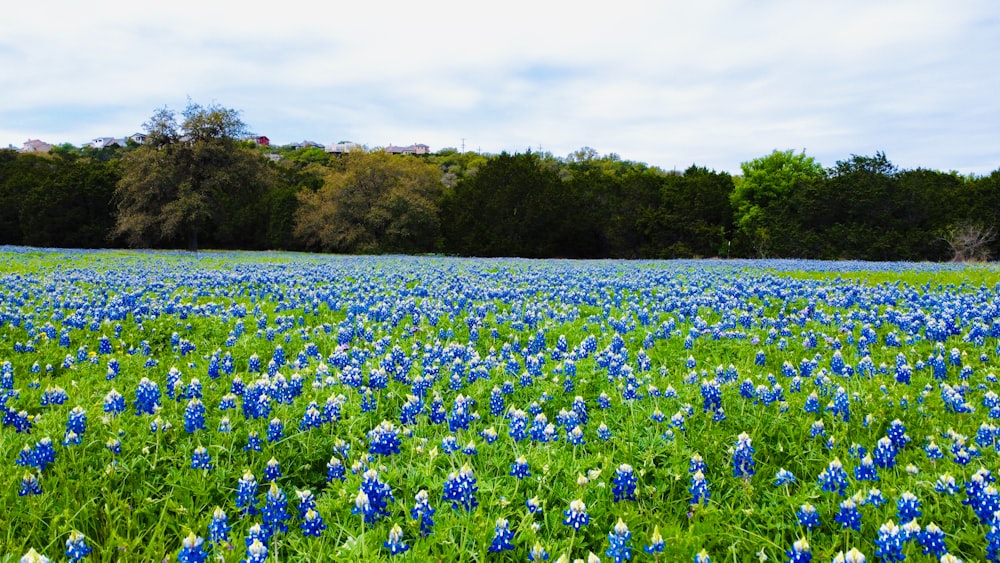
(668, 83)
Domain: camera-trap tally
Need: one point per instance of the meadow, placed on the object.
(162, 406)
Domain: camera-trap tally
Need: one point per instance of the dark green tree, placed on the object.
(190, 179)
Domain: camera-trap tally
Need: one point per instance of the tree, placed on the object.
(372, 202)
(765, 181)
(188, 178)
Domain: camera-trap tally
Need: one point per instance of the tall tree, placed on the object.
(189, 177)
(767, 180)
(372, 202)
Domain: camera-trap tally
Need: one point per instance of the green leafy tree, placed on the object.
(766, 181)
(372, 202)
(189, 178)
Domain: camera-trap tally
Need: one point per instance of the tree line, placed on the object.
(195, 183)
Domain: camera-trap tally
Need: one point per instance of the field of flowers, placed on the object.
(281, 407)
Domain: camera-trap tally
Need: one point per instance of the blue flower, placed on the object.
(312, 524)
(851, 556)
(889, 544)
(395, 543)
(534, 505)
(884, 454)
(383, 439)
(147, 397)
(866, 471)
(783, 477)
(29, 485)
(200, 459)
(275, 430)
(576, 515)
(114, 403)
(335, 469)
(423, 513)
(808, 516)
(192, 550)
(76, 546)
(620, 545)
(256, 552)
(246, 492)
(520, 468)
(218, 528)
(908, 507)
(743, 463)
(33, 556)
(799, 552)
(461, 488)
(373, 498)
(833, 479)
(194, 416)
(272, 471)
(502, 536)
(702, 557)
(538, 553)
(656, 543)
(700, 492)
(624, 483)
(275, 511)
(849, 516)
(253, 442)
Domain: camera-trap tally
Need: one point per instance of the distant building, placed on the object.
(138, 138)
(306, 145)
(410, 149)
(34, 145)
(105, 142)
(343, 147)
(261, 140)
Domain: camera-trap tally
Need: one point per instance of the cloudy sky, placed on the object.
(665, 82)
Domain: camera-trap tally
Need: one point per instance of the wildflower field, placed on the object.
(282, 407)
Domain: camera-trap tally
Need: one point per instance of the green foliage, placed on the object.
(192, 178)
(372, 202)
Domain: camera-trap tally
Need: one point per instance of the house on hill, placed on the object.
(343, 147)
(305, 145)
(34, 145)
(137, 138)
(410, 149)
(106, 142)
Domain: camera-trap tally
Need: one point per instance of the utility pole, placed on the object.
(463, 144)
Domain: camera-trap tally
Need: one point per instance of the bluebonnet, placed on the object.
(306, 499)
(373, 498)
(849, 516)
(114, 403)
(335, 469)
(817, 429)
(395, 543)
(496, 402)
(620, 545)
(423, 513)
(275, 430)
(908, 507)
(897, 434)
(575, 436)
(253, 442)
(576, 515)
(699, 489)
(275, 511)
(312, 418)
(807, 516)
(603, 432)
(833, 479)
(312, 524)
(29, 485)
(889, 544)
(702, 557)
(538, 553)
(200, 459)
(76, 546)
(45, 453)
(783, 477)
(272, 471)
(866, 471)
(194, 416)
(147, 397)
(520, 468)
(884, 454)
(656, 543)
(946, 484)
(502, 536)
(192, 550)
(534, 505)
(246, 492)
(384, 439)
(218, 528)
(799, 552)
(256, 552)
(743, 462)
(461, 489)
(624, 483)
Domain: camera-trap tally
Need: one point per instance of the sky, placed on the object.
(668, 83)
